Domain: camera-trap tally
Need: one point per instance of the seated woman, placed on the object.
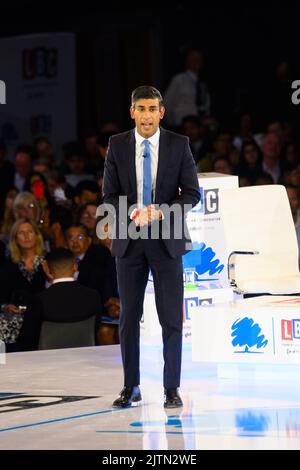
(21, 276)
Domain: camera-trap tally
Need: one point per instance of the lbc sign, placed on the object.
(290, 329)
(40, 62)
(209, 202)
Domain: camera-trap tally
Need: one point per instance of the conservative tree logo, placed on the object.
(247, 334)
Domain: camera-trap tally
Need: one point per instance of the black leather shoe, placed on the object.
(172, 398)
(127, 396)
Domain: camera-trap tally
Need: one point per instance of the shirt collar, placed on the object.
(63, 279)
(153, 139)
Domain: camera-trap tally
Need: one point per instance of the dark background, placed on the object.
(120, 47)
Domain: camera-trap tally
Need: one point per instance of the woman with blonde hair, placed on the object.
(21, 277)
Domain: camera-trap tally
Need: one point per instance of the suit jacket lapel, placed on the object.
(163, 158)
(131, 166)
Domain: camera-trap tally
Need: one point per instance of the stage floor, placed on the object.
(62, 400)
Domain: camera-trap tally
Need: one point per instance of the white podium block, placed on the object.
(206, 295)
(259, 330)
(208, 258)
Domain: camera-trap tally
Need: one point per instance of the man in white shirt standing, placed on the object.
(187, 94)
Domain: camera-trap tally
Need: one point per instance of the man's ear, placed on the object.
(76, 199)
(132, 112)
(162, 112)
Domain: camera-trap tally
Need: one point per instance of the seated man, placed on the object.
(96, 269)
(64, 301)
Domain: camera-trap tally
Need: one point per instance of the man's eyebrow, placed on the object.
(140, 106)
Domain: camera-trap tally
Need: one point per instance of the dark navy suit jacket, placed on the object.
(176, 182)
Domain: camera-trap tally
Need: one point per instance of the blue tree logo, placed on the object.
(247, 333)
(204, 260)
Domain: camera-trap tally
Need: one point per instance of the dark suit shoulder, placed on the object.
(98, 252)
(74, 287)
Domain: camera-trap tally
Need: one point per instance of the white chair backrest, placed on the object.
(259, 218)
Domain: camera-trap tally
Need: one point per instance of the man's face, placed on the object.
(271, 147)
(88, 217)
(192, 130)
(23, 163)
(147, 115)
(76, 164)
(86, 196)
(91, 144)
(77, 240)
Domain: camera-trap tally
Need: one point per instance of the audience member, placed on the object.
(293, 195)
(187, 93)
(7, 215)
(271, 153)
(7, 172)
(250, 164)
(65, 300)
(22, 166)
(96, 267)
(20, 277)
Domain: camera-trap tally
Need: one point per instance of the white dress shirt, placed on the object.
(63, 279)
(139, 163)
(180, 98)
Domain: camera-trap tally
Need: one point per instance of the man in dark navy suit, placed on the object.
(152, 169)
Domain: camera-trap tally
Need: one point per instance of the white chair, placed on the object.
(261, 240)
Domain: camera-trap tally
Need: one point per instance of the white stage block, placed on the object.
(194, 297)
(207, 261)
(259, 330)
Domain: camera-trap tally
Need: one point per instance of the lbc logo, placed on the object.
(209, 203)
(39, 62)
(290, 329)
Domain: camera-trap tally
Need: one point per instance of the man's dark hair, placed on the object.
(59, 259)
(86, 185)
(82, 227)
(146, 92)
(41, 139)
(24, 148)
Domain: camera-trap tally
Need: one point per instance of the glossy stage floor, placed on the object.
(62, 400)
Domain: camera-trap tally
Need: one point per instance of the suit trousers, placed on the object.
(132, 271)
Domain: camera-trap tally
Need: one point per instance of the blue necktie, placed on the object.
(147, 180)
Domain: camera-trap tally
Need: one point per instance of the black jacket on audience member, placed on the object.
(15, 288)
(62, 302)
(98, 271)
